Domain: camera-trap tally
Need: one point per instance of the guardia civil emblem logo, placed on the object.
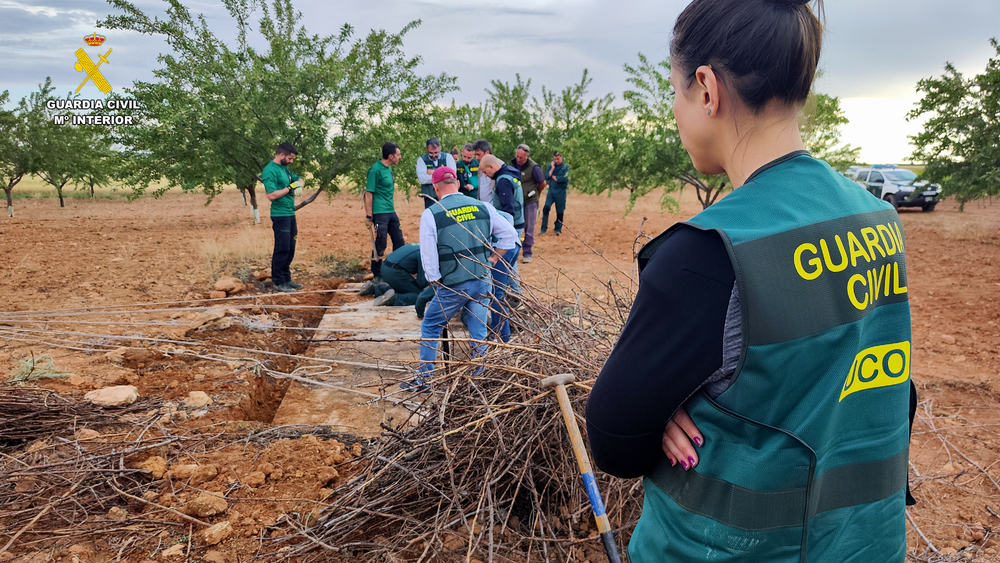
(85, 65)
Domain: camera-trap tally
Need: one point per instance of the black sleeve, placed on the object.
(671, 343)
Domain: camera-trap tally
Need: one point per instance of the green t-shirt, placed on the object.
(381, 185)
(278, 177)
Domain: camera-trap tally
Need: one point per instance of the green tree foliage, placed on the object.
(19, 157)
(959, 140)
(217, 110)
(819, 123)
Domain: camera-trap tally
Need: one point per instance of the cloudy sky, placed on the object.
(873, 53)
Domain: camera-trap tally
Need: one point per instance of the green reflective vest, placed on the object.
(432, 165)
(805, 455)
(469, 174)
(518, 198)
(463, 230)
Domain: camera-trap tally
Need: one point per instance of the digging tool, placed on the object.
(583, 461)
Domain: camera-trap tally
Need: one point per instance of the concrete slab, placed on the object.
(370, 369)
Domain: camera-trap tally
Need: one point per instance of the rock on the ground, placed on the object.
(156, 465)
(193, 474)
(76, 381)
(118, 514)
(117, 356)
(368, 277)
(947, 339)
(175, 551)
(221, 324)
(263, 274)
(116, 396)
(196, 399)
(327, 475)
(214, 557)
(255, 479)
(217, 295)
(208, 316)
(205, 505)
(217, 533)
(230, 285)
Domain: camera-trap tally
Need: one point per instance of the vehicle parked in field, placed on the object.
(898, 186)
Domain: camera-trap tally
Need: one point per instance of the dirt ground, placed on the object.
(110, 252)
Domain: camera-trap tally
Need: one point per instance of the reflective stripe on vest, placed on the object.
(432, 166)
(463, 229)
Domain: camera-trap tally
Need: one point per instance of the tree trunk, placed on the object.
(252, 188)
(243, 192)
(10, 201)
(92, 196)
(59, 191)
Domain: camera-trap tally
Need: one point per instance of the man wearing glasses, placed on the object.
(427, 164)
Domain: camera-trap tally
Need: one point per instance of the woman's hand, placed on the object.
(677, 438)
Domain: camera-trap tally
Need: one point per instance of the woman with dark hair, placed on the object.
(761, 383)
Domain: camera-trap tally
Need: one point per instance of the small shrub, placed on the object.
(246, 246)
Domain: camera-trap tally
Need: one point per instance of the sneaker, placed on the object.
(367, 288)
(526, 259)
(295, 285)
(418, 385)
(387, 298)
(284, 288)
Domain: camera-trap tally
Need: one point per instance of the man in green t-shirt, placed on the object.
(281, 187)
(380, 211)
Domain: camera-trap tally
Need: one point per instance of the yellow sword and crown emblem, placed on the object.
(84, 64)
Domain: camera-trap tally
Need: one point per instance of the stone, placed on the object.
(217, 533)
(175, 551)
(193, 474)
(947, 339)
(118, 514)
(327, 475)
(156, 465)
(266, 468)
(255, 479)
(214, 557)
(205, 505)
(87, 435)
(948, 551)
(208, 316)
(263, 274)
(116, 396)
(221, 324)
(230, 285)
(958, 359)
(217, 295)
(368, 277)
(192, 296)
(197, 399)
(81, 549)
(76, 381)
(116, 356)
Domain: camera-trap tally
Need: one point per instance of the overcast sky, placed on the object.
(873, 52)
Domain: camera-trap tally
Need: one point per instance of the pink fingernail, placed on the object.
(673, 461)
(684, 465)
(691, 461)
(697, 440)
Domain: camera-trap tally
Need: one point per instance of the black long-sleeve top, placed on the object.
(670, 345)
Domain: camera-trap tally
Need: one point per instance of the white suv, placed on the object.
(898, 186)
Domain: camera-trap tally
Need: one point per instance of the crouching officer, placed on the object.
(403, 281)
(456, 253)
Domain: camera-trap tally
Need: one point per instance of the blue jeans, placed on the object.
(473, 296)
(502, 284)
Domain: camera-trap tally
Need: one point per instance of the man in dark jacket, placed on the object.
(558, 179)
(532, 184)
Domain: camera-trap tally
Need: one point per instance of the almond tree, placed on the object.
(19, 157)
(959, 141)
(218, 110)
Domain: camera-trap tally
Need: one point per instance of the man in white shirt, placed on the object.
(457, 253)
(427, 164)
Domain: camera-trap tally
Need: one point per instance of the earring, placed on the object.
(708, 111)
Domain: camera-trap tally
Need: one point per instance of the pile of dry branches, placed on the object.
(68, 479)
(484, 468)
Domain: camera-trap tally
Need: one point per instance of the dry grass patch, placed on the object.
(247, 246)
